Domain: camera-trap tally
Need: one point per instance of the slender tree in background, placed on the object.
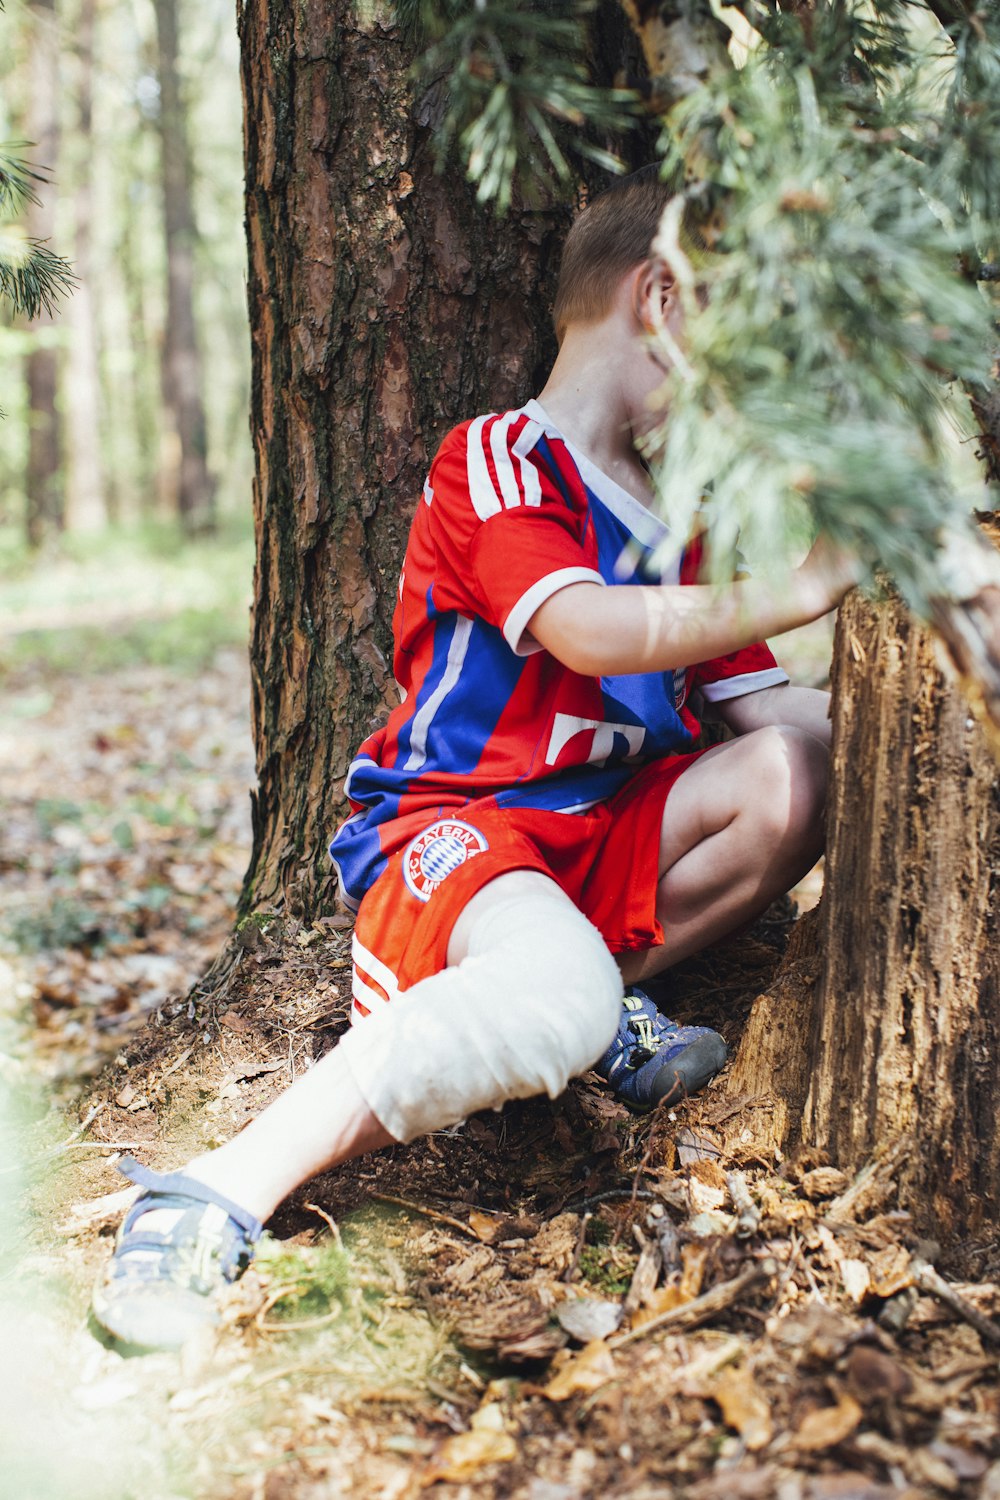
(187, 473)
(45, 511)
(86, 506)
(840, 193)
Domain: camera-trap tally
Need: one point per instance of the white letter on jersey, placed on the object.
(603, 732)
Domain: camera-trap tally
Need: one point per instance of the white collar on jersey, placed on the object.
(647, 529)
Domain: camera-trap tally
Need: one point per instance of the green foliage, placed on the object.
(315, 1278)
(508, 82)
(821, 335)
(32, 276)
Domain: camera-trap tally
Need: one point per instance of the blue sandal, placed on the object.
(180, 1242)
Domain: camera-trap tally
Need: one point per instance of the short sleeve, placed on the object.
(745, 671)
(522, 535)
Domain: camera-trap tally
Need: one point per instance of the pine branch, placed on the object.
(16, 179)
(518, 104)
(33, 277)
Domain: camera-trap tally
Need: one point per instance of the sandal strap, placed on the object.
(189, 1187)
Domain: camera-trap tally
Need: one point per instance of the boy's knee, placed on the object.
(534, 1003)
(789, 777)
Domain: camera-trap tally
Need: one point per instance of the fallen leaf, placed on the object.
(696, 1146)
(694, 1259)
(828, 1425)
(588, 1318)
(484, 1226)
(744, 1407)
(705, 1225)
(854, 1275)
(488, 1418)
(644, 1277)
(891, 1271)
(706, 1197)
(464, 1454)
(824, 1182)
(587, 1371)
(664, 1300)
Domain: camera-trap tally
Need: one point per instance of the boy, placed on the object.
(534, 805)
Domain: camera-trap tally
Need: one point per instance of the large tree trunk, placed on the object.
(384, 309)
(187, 462)
(883, 1027)
(43, 478)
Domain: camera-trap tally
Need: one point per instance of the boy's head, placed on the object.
(612, 235)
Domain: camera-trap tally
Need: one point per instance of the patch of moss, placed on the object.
(604, 1270)
(317, 1276)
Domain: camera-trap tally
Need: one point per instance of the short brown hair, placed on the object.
(613, 233)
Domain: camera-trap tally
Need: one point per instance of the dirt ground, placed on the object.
(558, 1300)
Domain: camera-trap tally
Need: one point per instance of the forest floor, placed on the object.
(559, 1300)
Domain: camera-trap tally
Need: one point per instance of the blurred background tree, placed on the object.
(123, 408)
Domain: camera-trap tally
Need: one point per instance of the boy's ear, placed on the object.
(654, 292)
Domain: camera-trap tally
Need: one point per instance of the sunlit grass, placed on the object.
(128, 597)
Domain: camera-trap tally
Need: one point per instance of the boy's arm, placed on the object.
(606, 631)
(800, 707)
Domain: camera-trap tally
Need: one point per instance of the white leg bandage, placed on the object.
(535, 1002)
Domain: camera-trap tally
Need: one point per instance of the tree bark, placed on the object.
(187, 464)
(43, 477)
(384, 308)
(891, 1038)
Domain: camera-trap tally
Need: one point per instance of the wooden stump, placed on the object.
(896, 1036)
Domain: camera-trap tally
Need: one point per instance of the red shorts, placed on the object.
(606, 859)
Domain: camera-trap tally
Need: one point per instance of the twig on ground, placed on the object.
(299, 1325)
(931, 1281)
(871, 1186)
(331, 1223)
(584, 1204)
(85, 1124)
(747, 1212)
(581, 1239)
(726, 1294)
(428, 1213)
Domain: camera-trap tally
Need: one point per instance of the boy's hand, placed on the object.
(827, 574)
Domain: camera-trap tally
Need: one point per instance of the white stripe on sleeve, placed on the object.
(516, 623)
(530, 481)
(746, 682)
(500, 447)
(482, 491)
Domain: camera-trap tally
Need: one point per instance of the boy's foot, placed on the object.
(179, 1244)
(652, 1058)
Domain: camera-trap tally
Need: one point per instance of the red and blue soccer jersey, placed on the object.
(511, 513)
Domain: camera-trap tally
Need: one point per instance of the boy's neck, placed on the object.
(591, 397)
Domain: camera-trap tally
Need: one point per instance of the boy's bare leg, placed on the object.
(740, 827)
(323, 1120)
(317, 1123)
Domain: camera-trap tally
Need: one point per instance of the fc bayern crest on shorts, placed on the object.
(437, 852)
